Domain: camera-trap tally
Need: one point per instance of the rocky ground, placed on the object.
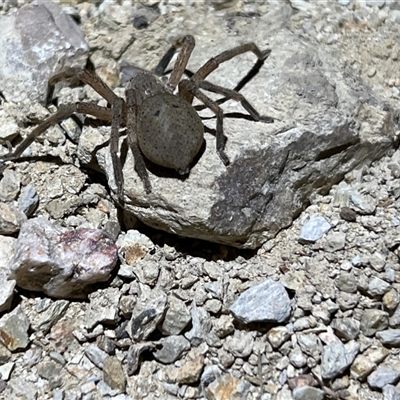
(313, 313)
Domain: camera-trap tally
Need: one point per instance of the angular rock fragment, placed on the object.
(266, 302)
(14, 329)
(314, 229)
(228, 387)
(373, 321)
(133, 356)
(113, 373)
(190, 370)
(103, 307)
(142, 324)
(28, 200)
(177, 317)
(37, 41)
(11, 219)
(61, 262)
(382, 376)
(172, 348)
(7, 286)
(336, 358)
(49, 317)
(389, 337)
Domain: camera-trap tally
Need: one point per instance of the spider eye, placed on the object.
(157, 113)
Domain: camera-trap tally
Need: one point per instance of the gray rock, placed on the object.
(373, 321)
(277, 336)
(310, 344)
(11, 219)
(348, 301)
(364, 204)
(172, 349)
(113, 374)
(266, 302)
(198, 332)
(14, 329)
(133, 356)
(270, 177)
(23, 388)
(5, 354)
(394, 320)
(378, 287)
(9, 127)
(335, 359)
(348, 214)
(389, 337)
(5, 371)
(34, 55)
(28, 200)
(176, 318)
(377, 261)
(50, 371)
(61, 262)
(383, 376)
(50, 316)
(390, 393)
(7, 286)
(145, 320)
(223, 326)
(314, 229)
(346, 282)
(346, 328)
(308, 393)
(96, 355)
(335, 241)
(240, 344)
(297, 358)
(9, 186)
(213, 306)
(103, 307)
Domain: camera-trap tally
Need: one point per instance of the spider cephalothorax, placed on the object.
(161, 125)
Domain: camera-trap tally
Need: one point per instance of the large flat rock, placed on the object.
(328, 122)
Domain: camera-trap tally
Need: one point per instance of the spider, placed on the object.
(161, 125)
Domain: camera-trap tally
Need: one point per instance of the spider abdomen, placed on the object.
(170, 132)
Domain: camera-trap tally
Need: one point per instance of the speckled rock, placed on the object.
(61, 262)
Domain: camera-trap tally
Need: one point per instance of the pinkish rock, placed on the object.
(61, 262)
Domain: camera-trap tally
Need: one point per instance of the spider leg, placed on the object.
(131, 126)
(232, 94)
(193, 88)
(85, 76)
(114, 139)
(187, 44)
(213, 63)
(63, 112)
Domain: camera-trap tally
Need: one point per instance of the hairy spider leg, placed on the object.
(193, 87)
(63, 112)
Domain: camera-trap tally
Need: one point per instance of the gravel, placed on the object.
(312, 313)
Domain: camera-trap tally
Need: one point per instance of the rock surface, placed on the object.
(59, 261)
(161, 326)
(274, 168)
(28, 58)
